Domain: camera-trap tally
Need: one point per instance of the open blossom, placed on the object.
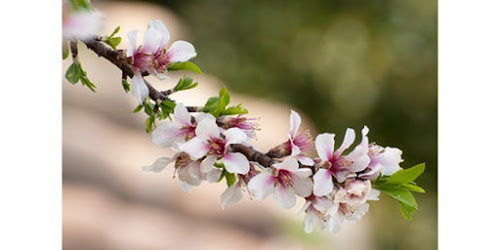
(209, 142)
(183, 129)
(153, 57)
(285, 179)
(316, 209)
(234, 193)
(334, 164)
(188, 171)
(79, 24)
(299, 142)
(245, 124)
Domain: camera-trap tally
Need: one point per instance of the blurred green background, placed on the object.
(343, 64)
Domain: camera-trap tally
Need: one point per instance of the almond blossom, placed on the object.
(285, 179)
(299, 143)
(183, 129)
(208, 141)
(234, 193)
(316, 209)
(333, 164)
(81, 24)
(153, 57)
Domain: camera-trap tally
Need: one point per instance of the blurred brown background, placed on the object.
(338, 63)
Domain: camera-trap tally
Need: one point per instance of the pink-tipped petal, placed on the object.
(323, 183)
(208, 163)
(207, 129)
(181, 51)
(304, 160)
(159, 164)
(195, 148)
(349, 137)
(139, 88)
(324, 146)
(295, 121)
(132, 44)
(231, 196)
(236, 163)
(159, 27)
(261, 185)
(235, 135)
(289, 164)
(295, 148)
(303, 186)
(166, 134)
(181, 115)
(284, 196)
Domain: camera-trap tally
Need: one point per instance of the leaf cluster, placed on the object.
(217, 105)
(111, 40)
(230, 177)
(158, 111)
(399, 187)
(75, 73)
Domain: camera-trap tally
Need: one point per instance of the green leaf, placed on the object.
(115, 31)
(126, 86)
(73, 73)
(113, 41)
(235, 110)
(222, 175)
(138, 108)
(406, 175)
(407, 211)
(185, 83)
(413, 188)
(86, 82)
(224, 100)
(230, 179)
(149, 123)
(80, 5)
(185, 66)
(405, 199)
(65, 51)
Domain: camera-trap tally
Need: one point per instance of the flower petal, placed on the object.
(207, 129)
(323, 183)
(185, 187)
(390, 160)
(302, 172)
(159, 27)
(159, 164)
(208, 163)
(290, 164)
(261, 185)
(373, 195)
(181, 115)
(214, 175)
(181, 51)
(324, 146)
(334, 223)
(349, 137)
(302, 186)
(295, 121)
(166, 134)
(152, 41)
(284, 196)
(139, 88)
(235, 135)
(195, 148)
(132, 44)
(236, 163)
(304, 160)
(231, 196)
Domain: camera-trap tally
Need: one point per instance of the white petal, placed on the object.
(208, 163)
(284, 196)
(159, 164)
(235, 135)
(261, 185)
(295, 148)
(139, 88)
(324, 145)
(304, 160)
(181, 115)
(161, 29)
(372, 174)
(360, 159)
(302, 173)
(214, 175)
(236, 163)
(373, 195)
(290, 164)
(231, 196)
(81, 25)
(188, 175)
(152, 41)
(323, 204)
(166, 134)
(303, 186)
(390, 160)
(349, 137)
(202, 116)
(181, 51)
(295, 121)
(308, 222)
(185, 186)
(195, 148)
(132, 44)
(323, 183)
(207, 129)
(334, 223)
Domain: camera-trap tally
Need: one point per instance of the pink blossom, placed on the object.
(316, 209)
(153, 57)
(299, 142)
(333, 164)
(209, 142)
(285, 179)
(79, 25)
(247, 125)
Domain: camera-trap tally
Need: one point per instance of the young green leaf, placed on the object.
(138, 108)
(185, 83)
(406, 175)
(65, 51)
(73, 73)
(185, 66)
(235, 110)
(405, 199)
(115, 31)
(126, 86)
(230, 179)
(80, 5)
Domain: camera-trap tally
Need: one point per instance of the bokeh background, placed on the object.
(338, 63)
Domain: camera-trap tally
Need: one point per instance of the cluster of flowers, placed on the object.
(335, 186)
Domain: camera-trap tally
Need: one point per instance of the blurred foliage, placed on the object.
(343, 64)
